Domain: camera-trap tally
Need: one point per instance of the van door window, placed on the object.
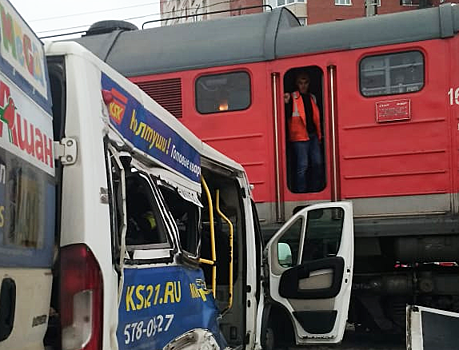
(186, 217)
(140, 225)
(323, 234)
(144, 224)
(289, 244)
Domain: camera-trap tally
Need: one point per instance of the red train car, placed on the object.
(387, 88)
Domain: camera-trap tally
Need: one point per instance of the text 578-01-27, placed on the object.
(138, 330)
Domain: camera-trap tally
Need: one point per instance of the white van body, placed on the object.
(84, 183)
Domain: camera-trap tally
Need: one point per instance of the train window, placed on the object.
(223, 92)
(392, 74)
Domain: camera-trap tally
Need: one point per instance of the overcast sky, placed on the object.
(47, 17)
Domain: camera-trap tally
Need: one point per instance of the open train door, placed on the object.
(310, 263)
(431, 329)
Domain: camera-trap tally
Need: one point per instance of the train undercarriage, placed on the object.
(393, 271)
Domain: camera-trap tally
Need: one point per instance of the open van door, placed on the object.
(310, 263)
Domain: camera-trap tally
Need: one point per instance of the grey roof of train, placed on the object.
(260, 37)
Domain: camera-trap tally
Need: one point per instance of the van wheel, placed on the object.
(272, 342)
(269, 339)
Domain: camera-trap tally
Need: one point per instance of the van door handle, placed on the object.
(7, 307)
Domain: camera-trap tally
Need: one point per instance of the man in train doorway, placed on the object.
(305, 136)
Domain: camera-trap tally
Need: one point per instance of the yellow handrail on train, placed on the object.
(230, 225)
(212, 240)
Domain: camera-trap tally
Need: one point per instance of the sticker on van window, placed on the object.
(160, 304)
(149, 134)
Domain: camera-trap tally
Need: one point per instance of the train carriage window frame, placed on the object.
(398, 73)
(223, 92)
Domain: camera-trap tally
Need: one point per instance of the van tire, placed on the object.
(269, 339)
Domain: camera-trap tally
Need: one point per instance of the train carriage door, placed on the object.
(303, 136)
(310, 262)
(304, 133)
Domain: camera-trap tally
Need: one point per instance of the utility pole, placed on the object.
(371, 8)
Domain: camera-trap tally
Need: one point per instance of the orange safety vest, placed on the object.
(297, 123)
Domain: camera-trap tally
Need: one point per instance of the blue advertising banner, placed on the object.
(161, 303)
(150, 134)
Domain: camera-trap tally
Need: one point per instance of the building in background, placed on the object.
(319, 11)
(182, 11)
(308, 11)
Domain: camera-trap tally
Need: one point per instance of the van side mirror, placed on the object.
(284, 254)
